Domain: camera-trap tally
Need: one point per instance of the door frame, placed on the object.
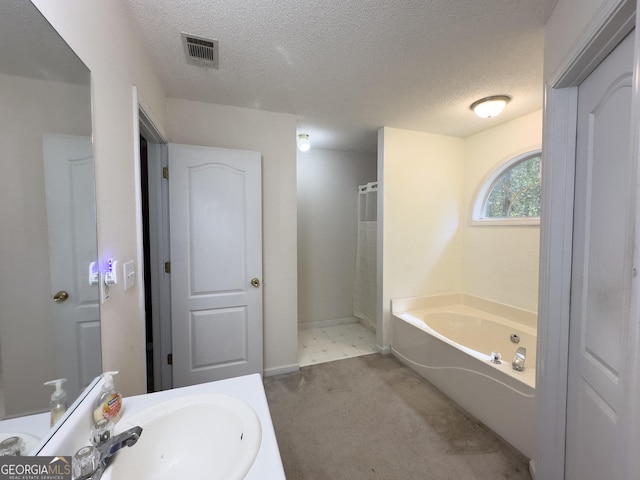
(159, 238)
(613, 21)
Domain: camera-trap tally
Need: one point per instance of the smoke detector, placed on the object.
(200, 50)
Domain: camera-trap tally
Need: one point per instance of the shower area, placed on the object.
(337, 196)
(364, 288)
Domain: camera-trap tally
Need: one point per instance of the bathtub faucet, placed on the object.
(519, 358)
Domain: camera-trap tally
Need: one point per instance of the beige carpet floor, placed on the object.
(371, 417)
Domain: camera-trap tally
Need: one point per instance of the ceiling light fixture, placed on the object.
(303, 142)
(489, 107)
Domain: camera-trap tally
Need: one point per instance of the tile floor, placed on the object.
(326, 344)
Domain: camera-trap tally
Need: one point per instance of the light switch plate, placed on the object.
(129, 274)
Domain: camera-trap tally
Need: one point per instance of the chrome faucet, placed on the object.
(89, 463)
(519, 358)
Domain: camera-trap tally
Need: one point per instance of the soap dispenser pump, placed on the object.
(109, 403)
(58, 401)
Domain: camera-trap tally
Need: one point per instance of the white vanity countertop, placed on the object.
(249, 388)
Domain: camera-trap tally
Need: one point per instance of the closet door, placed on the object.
(69, 182)
(216, 263)
(601, 268)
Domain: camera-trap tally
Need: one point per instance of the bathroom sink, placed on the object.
(208, 436)
(30, 441)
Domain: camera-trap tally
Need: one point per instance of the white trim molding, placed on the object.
(270, 372)
(327, 323)
(610, 24)
(630, 435)
(555, 278)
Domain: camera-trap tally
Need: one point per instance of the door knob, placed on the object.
(60, 297)
(255, 282)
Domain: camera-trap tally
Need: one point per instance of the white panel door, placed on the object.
(71, 223)
(601, 270)
(216, 263)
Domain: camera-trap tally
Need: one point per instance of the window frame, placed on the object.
(485, 187)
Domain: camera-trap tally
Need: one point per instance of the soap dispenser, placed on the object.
(58, 402)
(109, 403)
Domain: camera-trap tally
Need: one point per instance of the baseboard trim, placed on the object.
(327, 323)
(366, 324)
(532, 469)
(270, 372)
(383, 350)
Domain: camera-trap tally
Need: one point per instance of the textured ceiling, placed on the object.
(347, 68)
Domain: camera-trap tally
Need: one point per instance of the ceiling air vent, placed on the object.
(200, 51)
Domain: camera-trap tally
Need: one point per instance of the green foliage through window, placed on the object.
(516, 193)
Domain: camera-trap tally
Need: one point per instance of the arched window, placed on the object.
(511, 195)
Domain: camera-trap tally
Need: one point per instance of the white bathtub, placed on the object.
(451, 347)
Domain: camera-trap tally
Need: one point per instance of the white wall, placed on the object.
(28, 109)
(327, 230)
(102, 36)
(274, 135)
(423, 211)
(500, 263)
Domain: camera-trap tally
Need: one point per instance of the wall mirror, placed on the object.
(49, 305)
